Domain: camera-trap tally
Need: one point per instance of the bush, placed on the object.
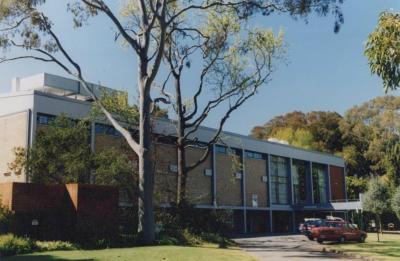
(197, 221)
(54, 245)
(179, 237)
(13, 245)
(216, 239)
(5, 219)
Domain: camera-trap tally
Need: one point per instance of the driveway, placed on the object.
(293, 247)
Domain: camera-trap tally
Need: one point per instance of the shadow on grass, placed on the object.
(42, 258)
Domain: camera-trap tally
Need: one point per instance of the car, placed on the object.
(339, 231)
(305, 228)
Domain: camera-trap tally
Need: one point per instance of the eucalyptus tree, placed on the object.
(227, 62)
(377, 200)
(383, 50)
(144, 26)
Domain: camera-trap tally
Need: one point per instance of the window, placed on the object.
(221, 149)
(279, 180)
(107, 130)
(299, 174)
(44, 119)
(319, 174)
(253, 155)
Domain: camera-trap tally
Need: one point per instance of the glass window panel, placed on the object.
(319, 183)
(279, 180)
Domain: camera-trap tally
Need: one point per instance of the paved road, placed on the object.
(293, 247)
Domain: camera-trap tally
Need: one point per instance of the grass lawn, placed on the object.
(387, 249)
(155, 253)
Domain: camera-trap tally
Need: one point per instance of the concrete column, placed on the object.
(291, 181)
(311, 184)
(344, 181)
(214, 176)
(244, 191)
(269, 192)
(92, 135)
(329, 192)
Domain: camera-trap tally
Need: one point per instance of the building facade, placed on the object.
(274, 188)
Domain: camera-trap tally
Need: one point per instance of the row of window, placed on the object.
(247, 154)
(46, 119)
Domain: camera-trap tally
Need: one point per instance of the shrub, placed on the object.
(216, 239)
(5, 219)
(54, 245)
(186, 216)
(179, 237)
(13, 245)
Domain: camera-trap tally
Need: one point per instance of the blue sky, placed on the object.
(326, 71)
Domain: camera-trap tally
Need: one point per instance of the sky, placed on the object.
(325, 71)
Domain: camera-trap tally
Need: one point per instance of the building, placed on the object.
(276, 188)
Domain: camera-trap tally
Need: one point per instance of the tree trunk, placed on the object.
(378, 231)
(146, 175)
(181, 177)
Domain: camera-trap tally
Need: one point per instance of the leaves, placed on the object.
(383, 50)
(377, 197)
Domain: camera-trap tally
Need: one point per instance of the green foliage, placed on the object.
(317, 130)
(370, 134)
(355, 186)
(54, 245)
(186, 216)
(60, 153)
(13, 245)
(377, 198)
(383, 50)
(117, 103)
(396, 202)
(113, 167)
(6, 217)
(301, 138)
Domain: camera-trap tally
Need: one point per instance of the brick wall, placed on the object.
(164, 179)
(228, 187)
(199, 186)
(13, 133)
(70, 212)
(255, 169)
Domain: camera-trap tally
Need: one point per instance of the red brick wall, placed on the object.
(64, 212)
(337, 183)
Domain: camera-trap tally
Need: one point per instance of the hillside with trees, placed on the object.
(367, 136)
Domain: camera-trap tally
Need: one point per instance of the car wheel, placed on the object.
(342, 239)
(362, 239)
(310, 238)
(320, 241)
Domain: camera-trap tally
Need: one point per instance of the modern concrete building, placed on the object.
(277, 186)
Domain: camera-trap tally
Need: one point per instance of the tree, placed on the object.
(111, 167)
(383, 50)
(396, 202)
(231, 63)
(355, 186)
(232, 78)
(61, 153)
(370, 134)
(377, 200)
(144, 26)
(317, 130)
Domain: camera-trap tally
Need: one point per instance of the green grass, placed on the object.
(153, 253)
(387, 249)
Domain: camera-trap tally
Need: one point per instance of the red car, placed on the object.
(338, 231)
